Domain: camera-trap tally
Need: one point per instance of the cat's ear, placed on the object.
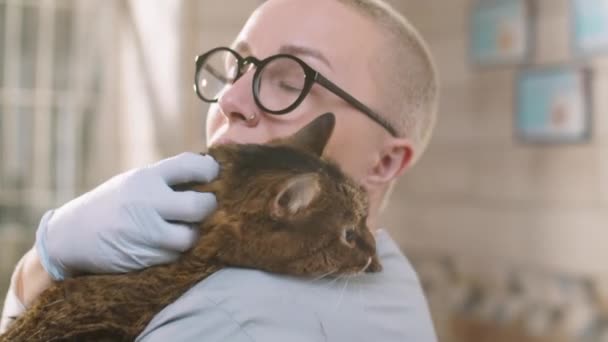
(314, 136)
(296, 194)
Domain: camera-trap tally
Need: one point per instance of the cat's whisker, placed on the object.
(362, 270)
(36, 333)
(54, 302)
(361, 290)
(342, 292)
(335, 280)
(324, 275)
(358, 288)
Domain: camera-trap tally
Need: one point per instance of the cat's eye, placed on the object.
(350, 237)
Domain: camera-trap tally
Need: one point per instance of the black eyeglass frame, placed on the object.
(311, 77)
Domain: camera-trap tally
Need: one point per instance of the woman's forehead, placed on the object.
(328, 28)
(343, 37)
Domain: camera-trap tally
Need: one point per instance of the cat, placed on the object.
(281, 208)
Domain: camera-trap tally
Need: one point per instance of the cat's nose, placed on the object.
(373, 265)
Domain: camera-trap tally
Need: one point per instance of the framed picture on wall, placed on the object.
(553, 105)
(589, 26)
(500, 32)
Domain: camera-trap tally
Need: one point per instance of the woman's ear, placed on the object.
(395, 157)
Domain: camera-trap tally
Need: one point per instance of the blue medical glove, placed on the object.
(130, 222)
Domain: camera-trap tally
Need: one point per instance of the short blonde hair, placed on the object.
(410, 82)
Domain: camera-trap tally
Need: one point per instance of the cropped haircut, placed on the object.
(407, 79)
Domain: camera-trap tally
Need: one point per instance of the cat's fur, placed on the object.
(281, 208)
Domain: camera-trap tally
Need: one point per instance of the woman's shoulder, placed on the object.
(262, 305)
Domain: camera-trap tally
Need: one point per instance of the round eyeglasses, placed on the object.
(280, 82)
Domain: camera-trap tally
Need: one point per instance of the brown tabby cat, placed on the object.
(281, 208)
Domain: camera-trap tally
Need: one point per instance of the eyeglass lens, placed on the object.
(279, 83)
(218, 70)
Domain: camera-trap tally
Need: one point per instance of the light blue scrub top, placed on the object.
(243, 305)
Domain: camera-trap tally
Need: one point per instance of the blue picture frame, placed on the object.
(553, 105)
(589, 28)
(501, 32)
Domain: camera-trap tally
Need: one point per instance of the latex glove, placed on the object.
(129, 222)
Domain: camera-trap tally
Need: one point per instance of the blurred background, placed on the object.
(506, 223)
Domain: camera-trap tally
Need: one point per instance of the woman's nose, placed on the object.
(237, 103)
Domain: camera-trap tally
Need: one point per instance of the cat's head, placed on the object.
(282, 208)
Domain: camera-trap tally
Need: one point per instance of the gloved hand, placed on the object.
(130, 222)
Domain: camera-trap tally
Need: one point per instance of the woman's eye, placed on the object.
(288, 87)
